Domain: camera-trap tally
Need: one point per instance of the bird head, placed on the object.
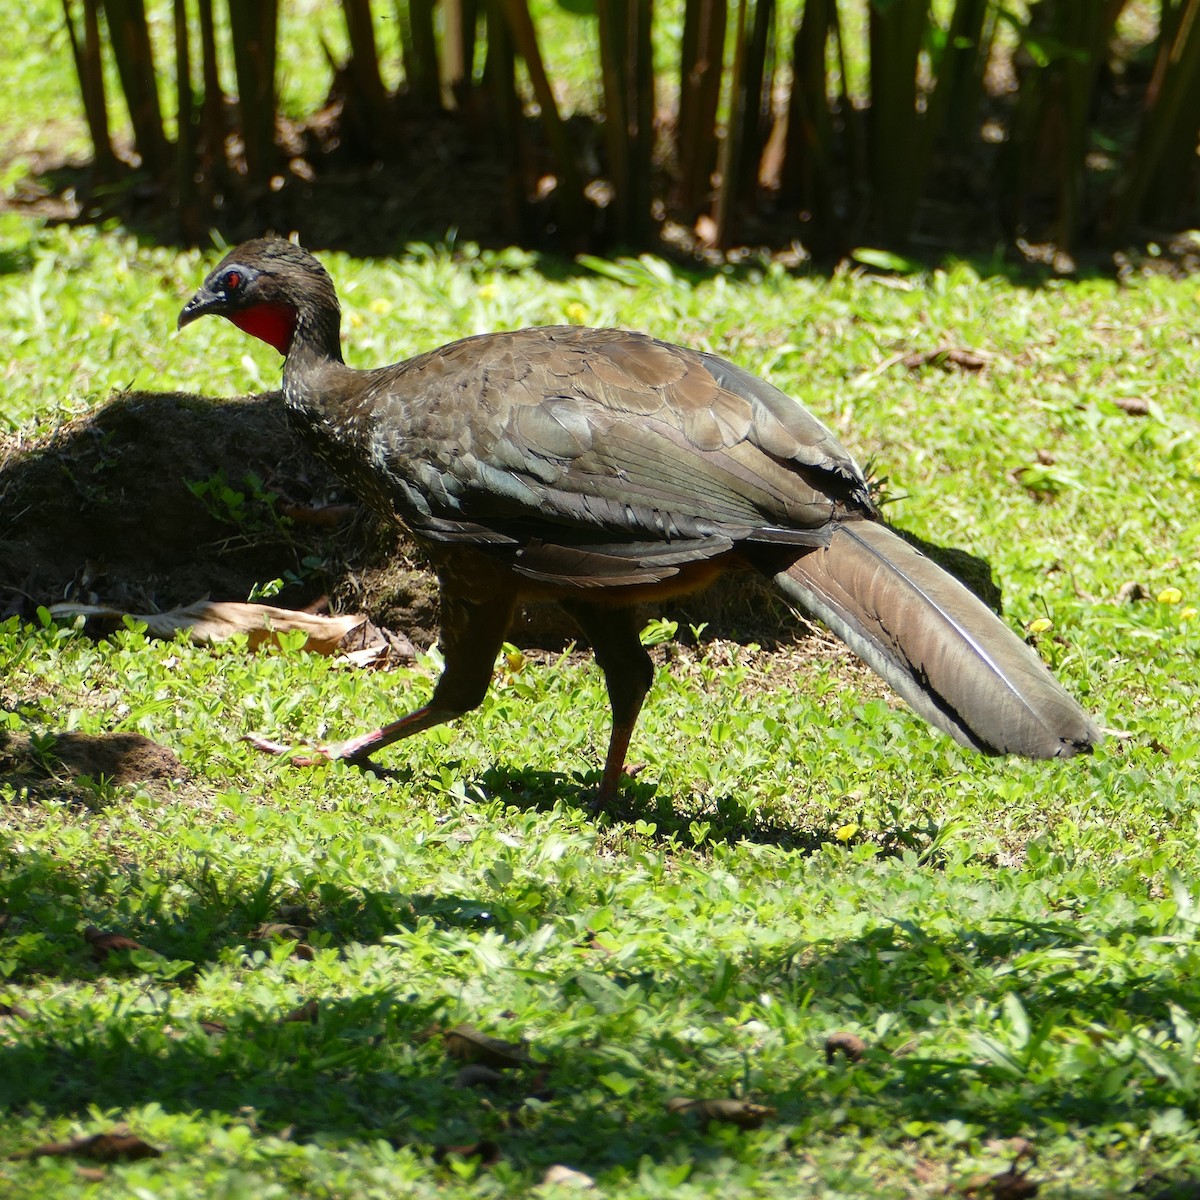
(273, 290)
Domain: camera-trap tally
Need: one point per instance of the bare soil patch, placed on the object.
(119, 758)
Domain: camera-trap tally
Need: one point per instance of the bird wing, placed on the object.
(588, 455)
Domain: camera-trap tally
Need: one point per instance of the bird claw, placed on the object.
(320, 754)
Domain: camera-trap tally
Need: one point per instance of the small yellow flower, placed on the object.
(576, 312)
(105, 320)
(1187, 614)
(1170, 595)
(489, 291)
(1040, 625)
(381, 307)
(845, 832)
(355, 321)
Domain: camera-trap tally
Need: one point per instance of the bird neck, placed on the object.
(317, 385)
(316, 333)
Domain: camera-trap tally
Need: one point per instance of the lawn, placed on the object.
(1013, 944)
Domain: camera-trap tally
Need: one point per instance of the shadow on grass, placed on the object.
(357, 1068)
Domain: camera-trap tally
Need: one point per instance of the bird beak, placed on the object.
(203, 302)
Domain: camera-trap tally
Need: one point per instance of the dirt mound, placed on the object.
(157, 500)
(120, 758)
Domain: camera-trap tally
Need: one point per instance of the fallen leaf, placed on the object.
(320, 515)
(560, 1176)
(1130, 591)
(468, 1044)
(849, 1044)
(946, 356)
(275, 929)
(214, 1028)
(15, 1011)
(209, 621)
(103, 944)
(742, 1113)
(1135, 406)
(306, 1012)
(371, 645)
(91, 1174)
(487, 1151)
(114, 1146)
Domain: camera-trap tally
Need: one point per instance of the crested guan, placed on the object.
(602, 468)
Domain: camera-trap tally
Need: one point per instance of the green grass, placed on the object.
(1016, 942)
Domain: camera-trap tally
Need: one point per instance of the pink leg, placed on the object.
(471, 638)
(358, 750)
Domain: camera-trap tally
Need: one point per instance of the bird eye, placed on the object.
(232, 281)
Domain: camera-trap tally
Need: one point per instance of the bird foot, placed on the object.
(606, 796)
(349, 751)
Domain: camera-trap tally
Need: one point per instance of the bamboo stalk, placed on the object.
(894, 36)
(960, 74)
(253, 26)
(627, 69)
(418, 43)
(129, 37)
(90, 73)
(701, 64)
(500, 79)
(1171, 115)
(570, 191)
(364, 71)
(462, 18)
(807, 177)
(729, 152)
(212, 163)
(739, 155)
(185, 137)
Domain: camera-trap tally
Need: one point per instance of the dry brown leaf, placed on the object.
(15, 1011)
(115, 1146)
(214, 1028)
(743, 1113)
(1134, 406)
(321, 515)
(371, 645)
(209, 621)
(946, 356)
(849, 1044)
(91, 1174)
(103, 944)
(487, 1151)
(306, 1012)
(277, 929)
(466, 1043)
(1131, 591)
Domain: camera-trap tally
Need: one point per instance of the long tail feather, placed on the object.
(940, 647)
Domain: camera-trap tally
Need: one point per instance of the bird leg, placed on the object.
(628, 673)
(471, 637)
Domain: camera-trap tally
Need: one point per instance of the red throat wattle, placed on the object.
(271, 323)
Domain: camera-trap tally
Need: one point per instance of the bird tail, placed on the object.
(940, 647)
